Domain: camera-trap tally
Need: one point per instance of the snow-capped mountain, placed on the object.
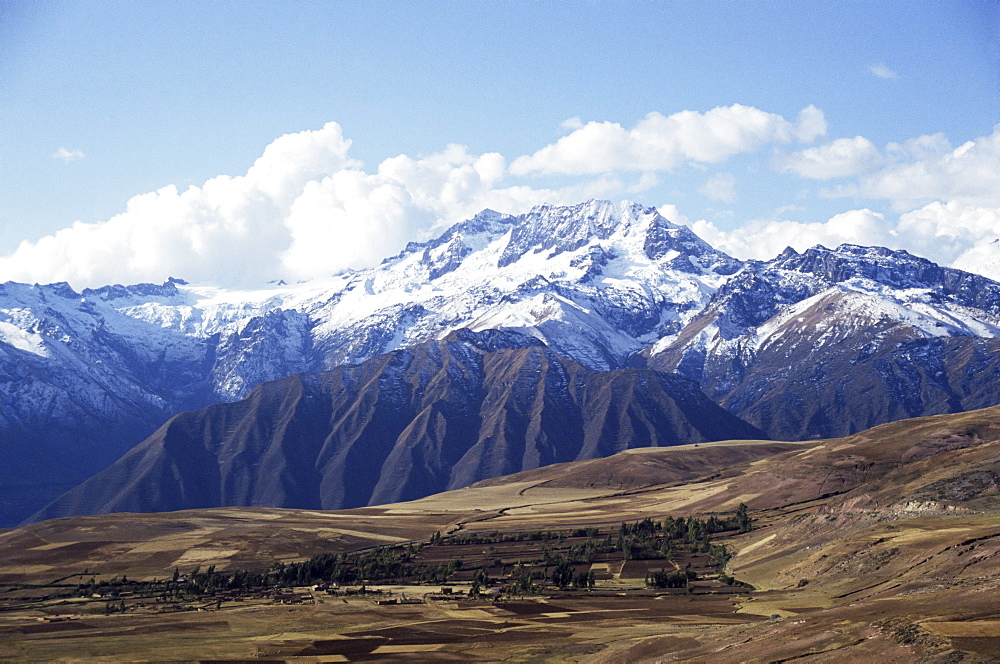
(830, 342)
(789, 345)
(596, 281)
(92, 373)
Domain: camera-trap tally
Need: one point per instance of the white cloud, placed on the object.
(983, 259)
(927, 169)
(947, 232)
(304, 209)
(571, 124)
(765, 239)
(66, 155)
(672, 213)
(882, 71)
(720, 187)
(354, 219)
(292, 160)
(950, 234)
(228, 231)
(840, 158)
(922, 147)
(660, 142)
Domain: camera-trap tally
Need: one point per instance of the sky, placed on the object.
(236, 143)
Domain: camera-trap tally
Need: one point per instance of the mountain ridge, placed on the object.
(912, 337)
(609, 285)
(435, 416)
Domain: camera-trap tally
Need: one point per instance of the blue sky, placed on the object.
(832, 121)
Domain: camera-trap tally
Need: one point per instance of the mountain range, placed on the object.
(404, 425)
(484, 352)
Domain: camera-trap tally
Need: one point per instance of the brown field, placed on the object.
(870, 548)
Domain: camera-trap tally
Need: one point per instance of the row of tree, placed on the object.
(559, 560)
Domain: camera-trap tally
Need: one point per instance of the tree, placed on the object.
(743, 520)
(481, 578)
(562, 575)
(583, 579)
(523, 584)
(663, 579)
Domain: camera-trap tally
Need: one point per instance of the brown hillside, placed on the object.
(415, 422)
(882, 546)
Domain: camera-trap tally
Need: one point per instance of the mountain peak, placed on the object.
(893, 268)
(559, 229)
(567, 228)
(596, 282)
(490, 340)
(167, 289)
(602, 217)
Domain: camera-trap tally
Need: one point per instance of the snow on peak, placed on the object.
(558, 229)
(26, 340)
(599, 280)
(136, 292)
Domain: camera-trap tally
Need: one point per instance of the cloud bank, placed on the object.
(952, 234)
(948, 200)
(843, 157)
(660, 142)
(307, 209)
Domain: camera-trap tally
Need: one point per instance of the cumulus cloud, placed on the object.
(950, 234)
(353, 219)
(224, 231)
(663, 142)
(947, 200)
(765, 239)
(982, 259)
(927, 146)
(571, 124)
(304, 209)
(672, 213)
(882, 71)
(720, 187)
(927, 169)
(66, 155)
(840, 158)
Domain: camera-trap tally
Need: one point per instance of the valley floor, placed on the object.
(882, 547)
(879, 613)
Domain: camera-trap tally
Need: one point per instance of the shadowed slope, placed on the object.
(403, 425)
(830, 342)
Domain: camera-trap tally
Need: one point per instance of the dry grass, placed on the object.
(847, 571)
